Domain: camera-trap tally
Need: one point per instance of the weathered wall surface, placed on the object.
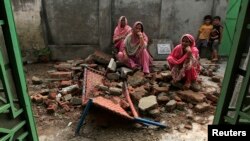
(29, 26)
(80, 26)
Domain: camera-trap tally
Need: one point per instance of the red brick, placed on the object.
(190, 96)
(63, 66)
(101, 57)
(52, 95)
(124, 104)
(52, 108)
(38, 98)
(65, 106)
(66, 83)
(61, 75)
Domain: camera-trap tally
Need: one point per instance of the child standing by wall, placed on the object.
(215, 37)
(204, 35)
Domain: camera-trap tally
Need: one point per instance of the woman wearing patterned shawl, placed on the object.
(121, 31)
(135, 54)
(183, 61)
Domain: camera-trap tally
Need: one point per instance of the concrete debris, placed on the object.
(112, 65)
(190, 96)
(36, 80)
(113, 76)
(76, 101)
(147, 103)
(125, 71)
(154, 95)
(70, 89)
(137, 79)
(115, 91)
(170, 106)
(201, 107)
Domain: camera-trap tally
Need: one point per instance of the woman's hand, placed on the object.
(125, 56)
(188, 50)
(139, 34)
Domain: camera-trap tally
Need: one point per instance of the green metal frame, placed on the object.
(233, 70)
(24, 114)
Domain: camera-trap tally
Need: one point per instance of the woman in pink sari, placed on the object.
(135, 54)
(183, 61)
(121, 31)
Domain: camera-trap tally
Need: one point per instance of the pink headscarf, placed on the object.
(119, 31)
(135, 39)
(177, 56)
(195, 51)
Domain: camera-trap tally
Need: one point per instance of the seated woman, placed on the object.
(135, 54)
(183, 61)
(121, 31)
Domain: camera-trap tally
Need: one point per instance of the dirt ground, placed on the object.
(103, 126)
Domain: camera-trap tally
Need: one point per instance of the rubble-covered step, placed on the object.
(191, 96)
(147, 103)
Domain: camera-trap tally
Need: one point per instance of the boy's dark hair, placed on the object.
(207, 17)
(217, 18)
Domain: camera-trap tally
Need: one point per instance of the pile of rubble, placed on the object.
(151, 95)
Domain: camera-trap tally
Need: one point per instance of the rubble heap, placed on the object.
(152, 95)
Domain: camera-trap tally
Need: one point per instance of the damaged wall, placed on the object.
(29, 27)
(74, 28)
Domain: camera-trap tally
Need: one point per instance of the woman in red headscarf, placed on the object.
(121, 31)
(135, 54)
(183, 61)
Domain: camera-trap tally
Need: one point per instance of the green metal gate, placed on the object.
(235, 71)
(16, 119)
(229, 27)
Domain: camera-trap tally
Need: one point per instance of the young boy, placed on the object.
(215, 37)
(204, 34)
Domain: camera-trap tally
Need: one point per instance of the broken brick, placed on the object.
(61, 75)
(138, 93)
(202, 107)
(190, 96)
(162, 98)
(38, 98)
(124, 104)
(148, 103)
(63, 66)
(66, 83)
(52, 108)
(52, 95)
(101, 57)
(158, 89)
(180, 105)
(170, 106)
(137, 79)
(115, 91)
(36, 80)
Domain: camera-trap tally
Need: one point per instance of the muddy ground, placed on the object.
(104, 126)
